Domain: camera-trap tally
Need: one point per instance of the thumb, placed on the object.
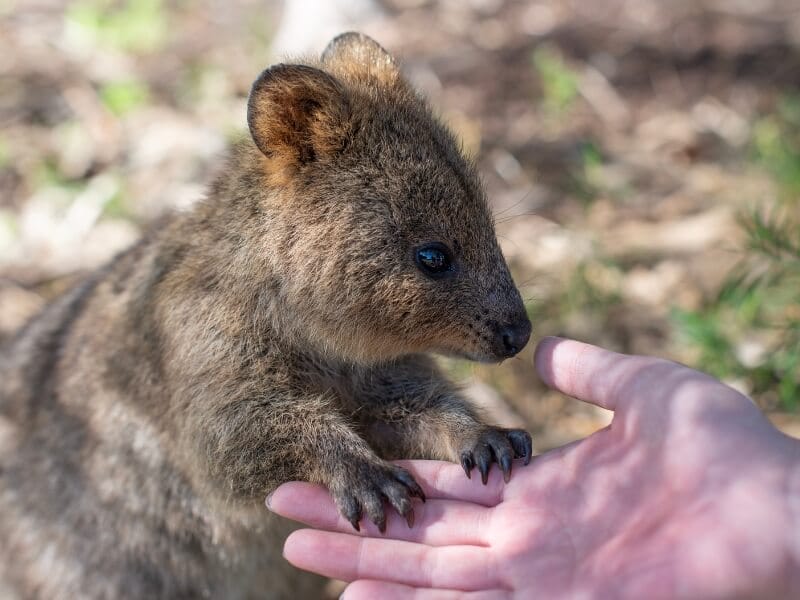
(583, 371)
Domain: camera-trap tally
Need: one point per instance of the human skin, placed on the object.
(689, 493)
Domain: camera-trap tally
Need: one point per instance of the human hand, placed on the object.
(689, 492)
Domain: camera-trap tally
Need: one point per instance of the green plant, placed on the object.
(117, 207)
(587, 295)
(757, 307)
(47, 174)
(776, 143)
(134, 25)
(121, 97)
(750, 331)
(559, 82)
(586, 177)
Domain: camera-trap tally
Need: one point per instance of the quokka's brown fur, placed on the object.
(277, 331)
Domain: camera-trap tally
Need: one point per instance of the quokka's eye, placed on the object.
(434, 259)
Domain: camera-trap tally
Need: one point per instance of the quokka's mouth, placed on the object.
(474, 356)
(500, 341)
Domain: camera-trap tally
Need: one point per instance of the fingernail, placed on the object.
(268, 500)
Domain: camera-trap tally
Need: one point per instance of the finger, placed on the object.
(446, 480)
(436, 523)
(351, 557)
(587, 372)
(365, 589)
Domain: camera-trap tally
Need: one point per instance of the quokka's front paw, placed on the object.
(495, 444)
(362, 487)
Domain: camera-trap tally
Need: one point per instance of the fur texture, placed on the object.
(275, 332)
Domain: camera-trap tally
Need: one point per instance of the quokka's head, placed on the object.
(386, 243)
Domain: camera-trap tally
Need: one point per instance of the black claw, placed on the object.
(404, 477)
(405, 510)
(528, 448)
(364, 497)
(413, 487)
(467, 463)
(505, 464)
(522, 444)
(484, 474)
(417, 491)
(351, 509)
(410, 518)
(372, 502)
(484, 462)
(517, 442)
(408, 480)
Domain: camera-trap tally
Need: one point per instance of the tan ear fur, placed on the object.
(358, 57)
(297, 114)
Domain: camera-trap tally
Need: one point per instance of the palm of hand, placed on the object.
(654, 505)
(679, 496)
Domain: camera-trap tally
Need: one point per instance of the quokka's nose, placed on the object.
(513, 337)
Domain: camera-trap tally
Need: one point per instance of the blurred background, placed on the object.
(642, 158)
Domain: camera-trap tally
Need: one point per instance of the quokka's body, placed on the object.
(276, 331)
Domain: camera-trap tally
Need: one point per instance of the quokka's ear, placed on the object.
(297, 113)
(360, 57)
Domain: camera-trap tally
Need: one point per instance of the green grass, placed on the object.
(121, 97)
(759, 303)
(776, 144)
(586, 177)
(117, 207)
(559, 81)
(591, 291)
(760, 300)
(137, 26)
(47, 174)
